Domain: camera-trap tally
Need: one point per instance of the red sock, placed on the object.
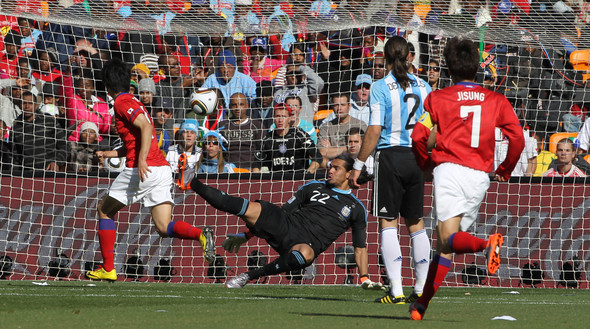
(183, 230)
(439, 267)
(107, 235)
(463, 242)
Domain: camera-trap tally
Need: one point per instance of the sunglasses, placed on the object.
(379, 66)
(211, 143)
(434, 68)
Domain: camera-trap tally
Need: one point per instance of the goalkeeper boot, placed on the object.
(102, 274)
(207, 243)
(492, 252)
(185, 173)
(238, 281)
(413, 297)
(389, 299)
(417, 311)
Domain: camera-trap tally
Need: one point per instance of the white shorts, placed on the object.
(156, 189)
(458, 191)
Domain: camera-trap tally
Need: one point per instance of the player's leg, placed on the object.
(299, 257)
(392, 259)
(439, 267)
(220, 200)
(420, 255)
(107, 236)
(162, 218)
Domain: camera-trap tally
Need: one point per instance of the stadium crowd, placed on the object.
(288, 101)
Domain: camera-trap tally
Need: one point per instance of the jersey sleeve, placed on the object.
(131, 110)
(376, 105)
(297, 199)
(508, 122)
(359, 227)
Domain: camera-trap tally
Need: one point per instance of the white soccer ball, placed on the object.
(115, 164)
(204, 101)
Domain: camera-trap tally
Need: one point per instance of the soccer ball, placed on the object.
(204, 101)
(115, 164)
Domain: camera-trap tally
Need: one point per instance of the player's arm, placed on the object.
(370, 141)
(508, 122)
(422, 141)
(361, 256)
(146, 128)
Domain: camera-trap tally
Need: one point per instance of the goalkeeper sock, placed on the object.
(183, 230)
(439, 267)
(392, 258)
(421, 257)
(220, 200)
(463, 242)
(107, 235)
(291, 261)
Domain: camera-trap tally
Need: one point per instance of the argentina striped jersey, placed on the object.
(396, 110)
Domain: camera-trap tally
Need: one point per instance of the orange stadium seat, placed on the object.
(555, 138)
(580, 60)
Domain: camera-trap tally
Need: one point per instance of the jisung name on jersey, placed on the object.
(470, 96)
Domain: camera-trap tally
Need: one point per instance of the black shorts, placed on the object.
(399, 184)
(275, 226)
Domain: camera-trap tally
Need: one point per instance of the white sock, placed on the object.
(392, 258)
(421, 256)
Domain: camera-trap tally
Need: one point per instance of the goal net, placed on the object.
(55, 113)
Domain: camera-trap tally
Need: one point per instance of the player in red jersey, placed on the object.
(463, 117)
(147, 176)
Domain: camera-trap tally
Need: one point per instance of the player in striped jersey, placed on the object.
(396, 101)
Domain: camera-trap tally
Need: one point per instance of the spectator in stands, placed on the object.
(359, 103)
(172, 86)
(146, 89)
(544, 157)
(286, 149)
(332, 132)
(81, 150)
(29, 35)
(8, 110)
(133, 88)
(261, 108)
(82, 104)
(139, 71)
(527, 164)
(214, 148)
(9, 58)
(229, 80)
(305, 83)
(433, 74)
(44, 68)
(339, 67)
(38, 143)
(52, 103)
(162, 115)
(242, 133)
(378, 68)
(354, 141)
(260, 65)
(187, 145)
(295, 104)
(297, 56)
(86, 58)
(566, 153)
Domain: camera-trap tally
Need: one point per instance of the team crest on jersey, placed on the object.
(283, 148)
(345, 211)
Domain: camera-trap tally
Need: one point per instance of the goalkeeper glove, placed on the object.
(367, 284)
(233, 242)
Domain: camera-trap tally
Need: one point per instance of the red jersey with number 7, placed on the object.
(127, 109)
(466, 115)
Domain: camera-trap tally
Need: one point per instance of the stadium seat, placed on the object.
(580, 60)
(555, 138)
(587, 158)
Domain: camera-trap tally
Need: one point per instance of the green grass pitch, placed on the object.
(62, 304)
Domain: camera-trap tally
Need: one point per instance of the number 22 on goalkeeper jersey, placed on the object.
(396, 110)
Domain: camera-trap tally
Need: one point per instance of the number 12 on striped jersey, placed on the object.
(475, 123)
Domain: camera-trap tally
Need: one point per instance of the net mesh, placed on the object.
(536, 53)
